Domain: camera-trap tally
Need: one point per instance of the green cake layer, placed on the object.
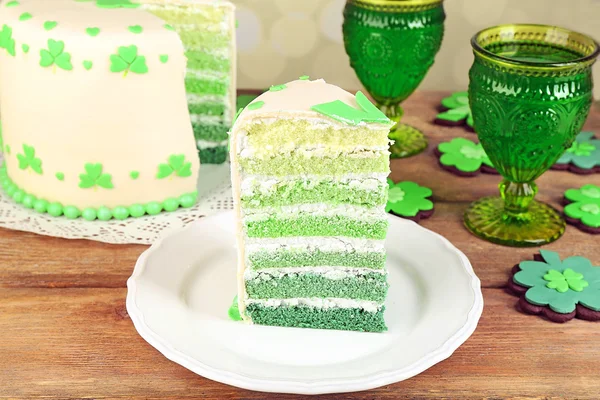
(213, 155)
(351, 319)
(185, 15)
(206, 86)
(329, 192)
(207, 108)
(372, 287)
(310, 225)
(315, 258)
(210, 133)
(202, 39)
(295, 164)
(205, 61)
(304, 133)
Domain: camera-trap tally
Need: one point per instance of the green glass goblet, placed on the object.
(391, 45)
(530, 92)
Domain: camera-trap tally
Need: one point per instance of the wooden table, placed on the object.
(65, 333)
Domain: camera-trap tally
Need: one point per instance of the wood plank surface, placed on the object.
(64, 331)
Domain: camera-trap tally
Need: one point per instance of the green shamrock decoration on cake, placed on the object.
(6, 40)
(347, 114)
(94, 177)
(29, 160)
(464, 155)
(584, 153)
(112, 3)
(55, 55)
(127, 59)
(584, 206)
(176, 165)
(561, 285)
(458, 110)
(409, 200)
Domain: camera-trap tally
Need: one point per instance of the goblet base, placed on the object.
(408, 141)
(541, 224)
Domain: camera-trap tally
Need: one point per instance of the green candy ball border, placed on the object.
(120, 213)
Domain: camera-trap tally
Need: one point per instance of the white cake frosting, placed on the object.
(129, 121)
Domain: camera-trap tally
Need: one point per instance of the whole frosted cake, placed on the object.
(309, 164)
(94, 114)
(207, 29)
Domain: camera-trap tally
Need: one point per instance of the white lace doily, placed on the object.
(214, 193)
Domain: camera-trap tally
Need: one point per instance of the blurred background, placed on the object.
(279, 40)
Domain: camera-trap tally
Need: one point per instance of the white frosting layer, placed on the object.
(319, 303)
(325, 244)
(316, 209)
(329, 272)
(255, 184)
(205, 144)
(206, 119)
(207, 98)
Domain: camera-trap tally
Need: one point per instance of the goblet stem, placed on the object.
(517, 196)
(408, 141)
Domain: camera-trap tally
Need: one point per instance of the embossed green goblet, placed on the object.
(392, 45)
(530, 92)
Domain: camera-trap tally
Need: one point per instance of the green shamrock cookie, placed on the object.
(583, 155)
(457, 112)
(464, 157)
(409, 200)
(560, 285)
(584, 208)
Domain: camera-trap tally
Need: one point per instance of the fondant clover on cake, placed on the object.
(456, 112)
(464, 157)
(94, 103)
(309, 169)
(582, 208)
(409, 200)
(583, 157)
(559, 290)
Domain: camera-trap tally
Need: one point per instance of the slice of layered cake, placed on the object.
(207, 29)
(309, 167)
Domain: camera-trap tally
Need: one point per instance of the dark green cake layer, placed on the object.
(315, 258)
(207, 108)
(213, 155)
(210, 133)
(311, 225)
(295, 164)
(206, 86)
(303, 192)
(372, 287)
(349, 319)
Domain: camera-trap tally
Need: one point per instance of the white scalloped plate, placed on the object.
(183, 285)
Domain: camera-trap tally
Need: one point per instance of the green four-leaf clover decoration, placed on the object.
(128, 60)
(55, 55)
(6, 40)
(585, 205)
(28, 159)
(458, 109)
(584, 152)
(94, 177)
(407, 199)
(463, 154)
(561, 285)
(176, 165)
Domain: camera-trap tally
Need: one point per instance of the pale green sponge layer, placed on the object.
(311, 225)
(350, 319)
(315, 258)
(302, 192)
(372, 287)
(295, 164)
(305, 134)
